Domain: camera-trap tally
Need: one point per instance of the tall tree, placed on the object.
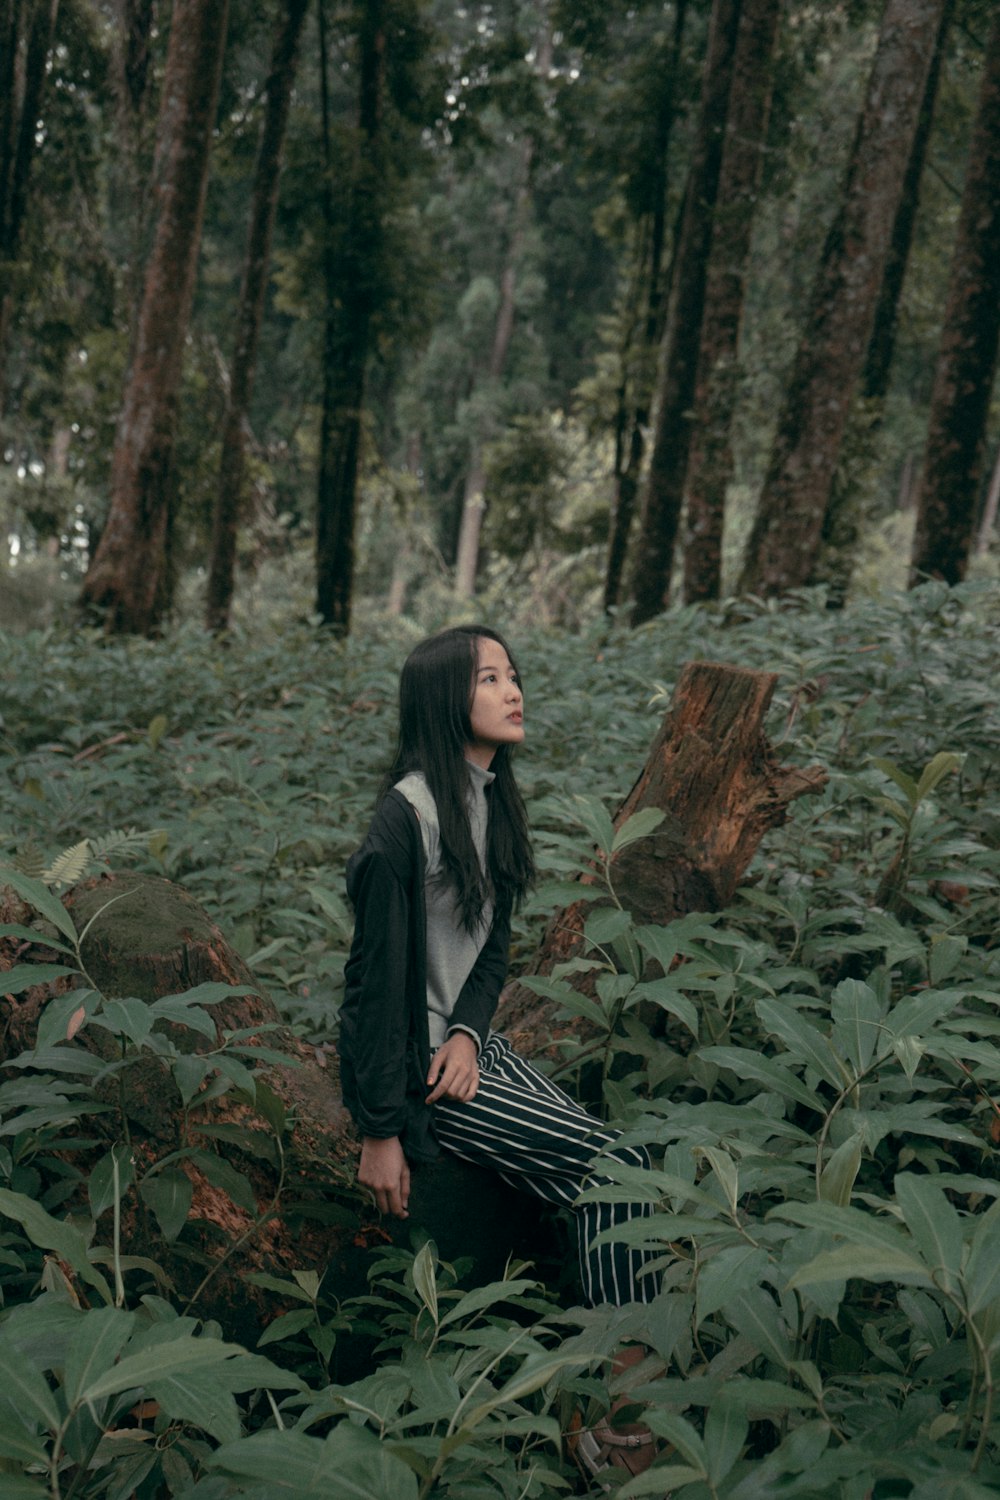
(786, 535)
(27, 28)
(645, 326)
(668, 461)
(949, 495)
(850, 503)
(350, 306)
(128, 575)
(710, 460)
(253, 288)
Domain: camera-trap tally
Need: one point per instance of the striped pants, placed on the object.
(540, 1141)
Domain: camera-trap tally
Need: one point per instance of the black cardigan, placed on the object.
(384, 1040)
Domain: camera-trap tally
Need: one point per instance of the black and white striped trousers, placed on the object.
(540, 1141)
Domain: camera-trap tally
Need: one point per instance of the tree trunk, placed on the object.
(128, 572)
(710, 461)
(714, 775)
(881, 346)
(949, 493)
(474, 496)
(785, 540)
(851, 505)
(24, 54)
(710, 769)
(668, 462)
(639, 364)
(347, 331)
(253, 289)
(988, 524)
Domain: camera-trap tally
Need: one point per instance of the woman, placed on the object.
(446, 859)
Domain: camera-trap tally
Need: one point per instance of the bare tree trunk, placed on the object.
(24, 51)
(638, 381)
(668, 462)
(710, 461)
(253, 289)
(785, 539)
(988, 524)
(348, 327)
(881, 346)
(127, 574)
(949, 493)
(136, 19)
(850, 505)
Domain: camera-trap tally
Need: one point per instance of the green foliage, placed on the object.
(815, 1072)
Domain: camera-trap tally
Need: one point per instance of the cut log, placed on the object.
(716, 779)
(712, 773)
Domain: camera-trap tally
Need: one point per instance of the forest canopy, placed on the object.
(405, 302)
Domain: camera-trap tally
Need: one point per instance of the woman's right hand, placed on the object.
(385, 1170)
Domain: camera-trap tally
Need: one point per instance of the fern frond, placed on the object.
(30, 860)
(71, 865)
(121, 843)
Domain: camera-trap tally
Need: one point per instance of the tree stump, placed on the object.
(713, 774)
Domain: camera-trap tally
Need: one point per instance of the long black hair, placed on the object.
(436, 687)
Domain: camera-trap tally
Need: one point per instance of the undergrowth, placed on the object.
(819, 1092)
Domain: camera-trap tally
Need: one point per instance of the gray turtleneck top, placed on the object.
(451, 950)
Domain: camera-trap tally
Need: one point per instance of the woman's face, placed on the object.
(496, 713)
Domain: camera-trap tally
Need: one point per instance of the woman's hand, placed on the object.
(385, 1170)
(454, 1070)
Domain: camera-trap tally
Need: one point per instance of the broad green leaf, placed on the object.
(756, 1315)
(982, 1271)
(170, 1357)
(934, 1224)
(27, 1390)
(424, 1278)
(661, 1480)
(350, 1464)
(594, 817)
(33, 935)
(169, 1195)
(906, 784)
(60, 1016)
(839, 1172)
(196, 1397)
(19, 1443)
(101, 1184)
(723, 1276)
(937, 768)
(23, 976)
(865, 1263)
(96, 1344)
(482, 1297)
(52, 1234)
(804, 1041)
(667, 994)
(286, 1326)
(751, 1065)
(129, 1018)
(726, 1428)
(605, 924)
(41, 898)
(190, 1072)
(857, 1020)
(725, 1171)
(684, 1437)
(639, 826)
(209, 993)
(222, 1174)
(182, 1014)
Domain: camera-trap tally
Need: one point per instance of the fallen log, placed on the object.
(710, 771)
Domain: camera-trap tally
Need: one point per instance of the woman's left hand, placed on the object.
(454, 1072)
